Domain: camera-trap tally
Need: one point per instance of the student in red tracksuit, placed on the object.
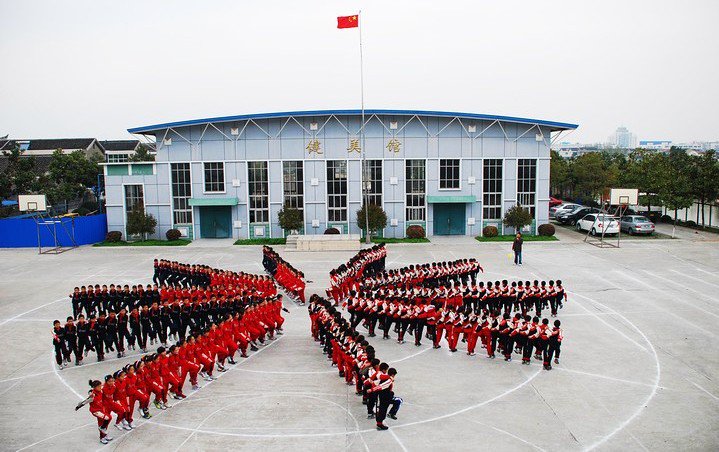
(98, 410)
(439, 326)
(108, 401)
(121, 396)
(188, 365)
(471, 332)
(135, 388)
(204, 356)
(153, 381)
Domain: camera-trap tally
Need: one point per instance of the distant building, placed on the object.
(119, 151)
(656, 145)
(623, 139)
(42, 149)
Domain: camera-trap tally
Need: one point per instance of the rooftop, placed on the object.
(155, 127)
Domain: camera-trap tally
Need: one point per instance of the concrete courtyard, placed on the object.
(639, 367)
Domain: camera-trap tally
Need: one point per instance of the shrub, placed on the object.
(81, 211)
(113, 236)
(691, 224)
(517, 217)
(667, 219)
(139, 222)
(546, 230)
(376, 217)
(290, 218)
(173, 234)
(490, 231)
(415, 232)
(332, 231)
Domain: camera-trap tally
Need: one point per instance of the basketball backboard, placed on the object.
(624, 196)
(32, 203)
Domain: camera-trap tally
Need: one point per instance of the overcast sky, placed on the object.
(95, 68)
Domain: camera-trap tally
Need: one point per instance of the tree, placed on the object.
(376, 217)
(674, 184)
(517, 217)
(142, 154)
(559, 176)
(138, 222)
(71, 175)
(290, 218)
(20, 175)
(642, 173)
(705, 179)
(591, 176)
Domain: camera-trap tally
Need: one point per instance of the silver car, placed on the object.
(636, 224)
(562, 208)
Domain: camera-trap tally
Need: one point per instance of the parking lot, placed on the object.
(639, 368)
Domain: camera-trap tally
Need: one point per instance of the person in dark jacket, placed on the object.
(517, 248)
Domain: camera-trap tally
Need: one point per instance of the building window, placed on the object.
(118, 158)
(214, 177)
(372, 180)
(293, 184)
(527, 183)
(181, 193)
(416, 190)
(258, 187)
(449, 174)
(134, 199)
(337, 190)
(492, 189)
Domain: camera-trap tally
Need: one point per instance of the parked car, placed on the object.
(553, 202)
(571, 216)
(596, 223)
(636, 224)
(553, 211)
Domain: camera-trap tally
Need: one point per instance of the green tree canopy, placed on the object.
(517, 217)
(290, 218)
(71, 174)
(377, 218)
(138, 222)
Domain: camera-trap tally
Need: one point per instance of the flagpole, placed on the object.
(362, 135)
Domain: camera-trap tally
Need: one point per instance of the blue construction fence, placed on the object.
(22, 232)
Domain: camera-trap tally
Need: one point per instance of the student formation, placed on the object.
(199, 317)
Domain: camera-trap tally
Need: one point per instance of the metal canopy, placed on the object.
(450, 199)
(554, 125)
(214, 202)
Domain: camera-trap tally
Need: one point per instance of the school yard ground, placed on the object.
(639, 366)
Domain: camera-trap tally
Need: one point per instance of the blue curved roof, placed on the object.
(192, 122)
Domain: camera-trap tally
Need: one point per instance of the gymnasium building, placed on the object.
(452, 173)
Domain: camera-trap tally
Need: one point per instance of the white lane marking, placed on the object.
(704, 390)
(605, 377)
(56, 435)
(682, 286)
(694, 278)
(313, 435)
(399, 441)
(508, 434)
(655, 386)
(410, 356)
(62, 380)
(32, 310)
(679, 299)
(604, 322)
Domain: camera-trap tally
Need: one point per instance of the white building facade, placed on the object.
(451, 173)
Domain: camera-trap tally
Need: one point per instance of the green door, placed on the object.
(449, 219)
(215, 222)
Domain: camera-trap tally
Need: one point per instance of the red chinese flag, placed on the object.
(348, 22)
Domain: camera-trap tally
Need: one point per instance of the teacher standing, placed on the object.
(517, 248)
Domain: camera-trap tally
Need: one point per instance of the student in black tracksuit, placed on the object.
(58, 341)
(384, 398)
(84, 343)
